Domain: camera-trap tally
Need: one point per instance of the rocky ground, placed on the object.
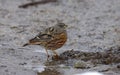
(93, 37)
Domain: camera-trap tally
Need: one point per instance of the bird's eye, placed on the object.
(51, 29)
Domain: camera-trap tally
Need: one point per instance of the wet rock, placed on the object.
(107, 57)
(70, 54)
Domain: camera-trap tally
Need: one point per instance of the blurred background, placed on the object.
(93, 26)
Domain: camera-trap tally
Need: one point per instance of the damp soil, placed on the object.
(84, 60)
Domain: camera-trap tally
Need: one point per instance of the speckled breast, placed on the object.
(57, 42)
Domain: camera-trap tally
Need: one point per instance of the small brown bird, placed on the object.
(51, 39)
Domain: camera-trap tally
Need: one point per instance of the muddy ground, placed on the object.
(93, 37)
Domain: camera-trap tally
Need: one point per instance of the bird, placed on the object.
(51, 38)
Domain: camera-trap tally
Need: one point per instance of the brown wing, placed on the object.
(40, 39)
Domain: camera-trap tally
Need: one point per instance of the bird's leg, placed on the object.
(56, 55)
(47, 53)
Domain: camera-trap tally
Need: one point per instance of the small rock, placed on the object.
(81, 64)
(118, 66)
(24, 63)
(49, 72)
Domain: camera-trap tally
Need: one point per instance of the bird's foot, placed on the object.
(56, 57)
(48, 56)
